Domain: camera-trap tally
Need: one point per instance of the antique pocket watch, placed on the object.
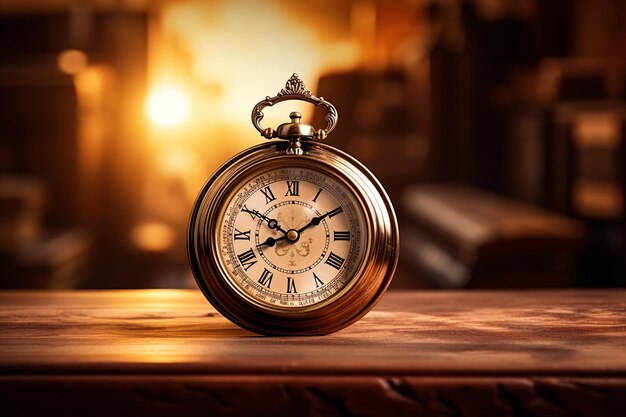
(292, 236)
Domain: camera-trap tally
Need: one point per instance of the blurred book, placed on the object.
(377, 124)
(31, 256)
(461, 237)
(21, 212)
(597, 189)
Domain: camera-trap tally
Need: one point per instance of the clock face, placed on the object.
(292, 237)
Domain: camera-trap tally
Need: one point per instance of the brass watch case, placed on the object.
(341, 309)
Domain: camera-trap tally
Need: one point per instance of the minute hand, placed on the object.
(314, 222)
(271, 223)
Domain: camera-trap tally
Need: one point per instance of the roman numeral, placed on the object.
(269, 195)
(247, 259)
(335, 212)
(318, 281)
(266, 278)
(252, 213)
(291, 286)
(341, 235)
(239, 235)
(293, 188)
(334, 261)
(317, 195)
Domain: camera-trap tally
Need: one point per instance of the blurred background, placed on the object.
(497, 127)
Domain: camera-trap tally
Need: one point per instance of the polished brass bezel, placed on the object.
(372, 276)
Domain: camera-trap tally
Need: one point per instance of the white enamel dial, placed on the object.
(292, 237)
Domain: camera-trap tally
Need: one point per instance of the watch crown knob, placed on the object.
(295, 129)
(295, 117)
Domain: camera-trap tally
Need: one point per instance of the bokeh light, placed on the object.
(72, 61)
(167, 106)
(153, 236)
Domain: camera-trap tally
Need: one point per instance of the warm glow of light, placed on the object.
(167, 106)
(248, 68)
(153, 236)
(72, 61)
(176, 161)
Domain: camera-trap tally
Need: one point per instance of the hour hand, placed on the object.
(270, 241)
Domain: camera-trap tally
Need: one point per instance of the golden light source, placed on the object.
(167, 106)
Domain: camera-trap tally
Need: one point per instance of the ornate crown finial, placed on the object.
(294, 85)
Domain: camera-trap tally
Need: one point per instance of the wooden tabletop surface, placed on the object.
(168, 353)
(408, 333)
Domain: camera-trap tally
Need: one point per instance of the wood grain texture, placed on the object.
(430, 353)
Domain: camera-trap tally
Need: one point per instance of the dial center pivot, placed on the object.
(293, 235)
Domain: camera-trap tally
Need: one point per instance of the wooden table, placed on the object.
(168, 352)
